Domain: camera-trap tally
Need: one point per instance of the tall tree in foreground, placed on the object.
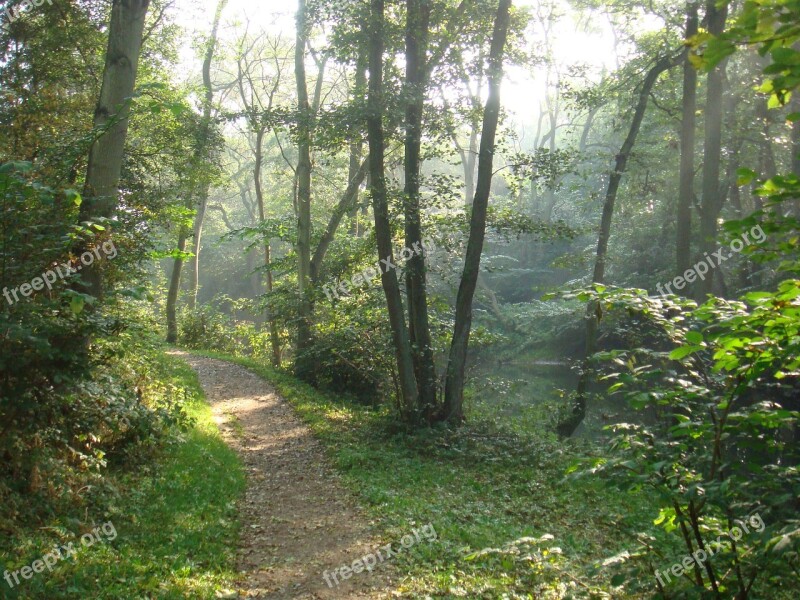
(712, 149)
(453, 409)
(416, 369)
(101, 189)
(380, 206)
(418, 14)
(686, 176)
(568, 425)
(303, 173)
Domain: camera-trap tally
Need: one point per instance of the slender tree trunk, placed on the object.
(587, 129)
(568, 426)
(417, 19)
(470, 160)
(357, 146)
(380, 203)
(795, 135)
(686, 184)
(174, 289)
(469, 168)
(197, 234)
(203, 152)
(304, 367)
(101, 191)
(712, 149)
(345, 203)
(453, 409)
(273, 326)
(794, 148)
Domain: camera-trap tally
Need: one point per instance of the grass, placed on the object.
(481, 487)
(174, 518)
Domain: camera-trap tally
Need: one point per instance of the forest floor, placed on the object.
(298, 520)
(507, 520)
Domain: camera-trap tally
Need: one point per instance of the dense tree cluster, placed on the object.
(378, 132)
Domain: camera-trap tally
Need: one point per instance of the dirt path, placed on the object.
(297, 519)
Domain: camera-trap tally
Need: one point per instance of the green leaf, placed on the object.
(682, 352)
(695, 337)
(73, 197)
(177, 109)
(744, 176)
(76, 304)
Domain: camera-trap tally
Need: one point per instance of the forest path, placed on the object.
(297, 519)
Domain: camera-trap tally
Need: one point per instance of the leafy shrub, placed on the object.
(719, 443)
(208, 328)
(75, 387)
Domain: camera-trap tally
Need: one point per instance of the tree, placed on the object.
(259, 117)
(201, 159)
(204, 153)
(303, 173)
(453, 409)
(569, 424)
(101, 188)
(380, 209)
(686, 175)
(417, 23)
(712, 149)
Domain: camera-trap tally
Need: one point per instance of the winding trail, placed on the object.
(297, 519)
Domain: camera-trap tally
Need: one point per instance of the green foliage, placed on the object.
(208, 328)
(716, 439)
(773, 26)
(69, 405)
(65, 424)
(175, 517)
(353, 350)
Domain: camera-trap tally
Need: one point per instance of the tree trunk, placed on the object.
(203, 153)
(472, 151)
(712, 149)
(453, 409)
(356, 145)
(174, 289)
(795, 135)
(273, 326)
(686, 183)
(100, 194)
(304, 367)
(568, 426)
(794, 147)
(380, 204)
(345, 203)
(417, 19)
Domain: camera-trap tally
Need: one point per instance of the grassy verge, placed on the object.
(481, 487)
(173, 521)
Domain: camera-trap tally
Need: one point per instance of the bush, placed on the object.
(206, 328)
(718, 444)
(76, 379)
